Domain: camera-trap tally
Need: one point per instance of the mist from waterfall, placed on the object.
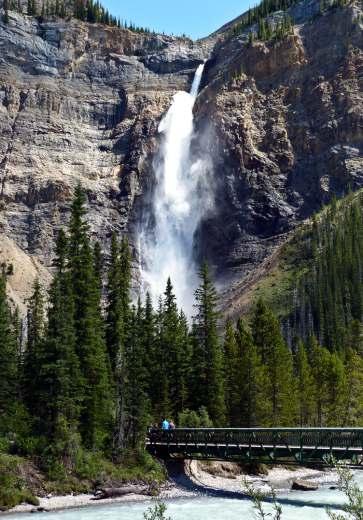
(180, 199)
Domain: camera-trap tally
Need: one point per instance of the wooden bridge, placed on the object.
(313, 446)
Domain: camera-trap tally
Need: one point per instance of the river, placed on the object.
(297, 505)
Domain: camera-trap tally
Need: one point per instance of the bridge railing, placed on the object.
(343, 438)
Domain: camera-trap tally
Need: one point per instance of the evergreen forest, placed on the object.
(91, 11)
(264, 27)
(96, 368)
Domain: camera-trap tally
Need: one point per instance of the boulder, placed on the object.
(304, 485)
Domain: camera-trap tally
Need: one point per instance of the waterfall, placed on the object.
(177, 204)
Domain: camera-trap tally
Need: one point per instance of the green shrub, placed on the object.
(29, 498)
(55, 470)
(193, 419)
(5, 445)
(27, 446)
(90, 465)
(13, 490)
(12, 497)
(156, 512)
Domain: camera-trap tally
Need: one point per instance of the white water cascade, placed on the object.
(178, 204)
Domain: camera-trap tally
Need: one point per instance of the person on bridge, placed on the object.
(165, 425)
(171, 425)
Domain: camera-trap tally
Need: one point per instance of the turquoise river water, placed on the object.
(296, 506)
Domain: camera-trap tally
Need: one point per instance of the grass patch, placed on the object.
(13, 486)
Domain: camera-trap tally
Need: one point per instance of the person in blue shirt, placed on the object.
(165, 424)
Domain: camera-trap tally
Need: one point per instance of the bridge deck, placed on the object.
(271, 445)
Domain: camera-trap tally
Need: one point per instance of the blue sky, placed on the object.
(196, 18)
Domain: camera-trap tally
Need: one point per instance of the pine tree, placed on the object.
(336, 388)
(232, 383)
(171, 354)
(137, 402)
(167, 320)
(353, 409)
(278, 359)
(320, 363)
(34, 348)
(121, 339)
(208, 358)
(59, 380)
(9, 363)
(354, 337)
(91, 347)
(114, 322)
(125, 281)
(254, 405)
(305, 389)
(149, 338)
(184, 369)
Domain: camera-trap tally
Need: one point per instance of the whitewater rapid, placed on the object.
(177, 203)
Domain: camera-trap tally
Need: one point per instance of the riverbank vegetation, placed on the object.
(157, 512)
(94, 370)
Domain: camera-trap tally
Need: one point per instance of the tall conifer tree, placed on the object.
(232, 383)
(120, 318)
(9, 363)
(254, 406)
(320, 361)
(171, 347)
(149, 338)
(59, 380)
(278, 359)
(137, 403)
(184, 369)
(337, 390)
(208, 356)
(90, 341)
(305, 387)
(114, 321)
(353, 409)
(34, 347)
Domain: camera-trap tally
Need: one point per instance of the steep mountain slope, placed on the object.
(281, 120)
(285, 118)
(313, 282)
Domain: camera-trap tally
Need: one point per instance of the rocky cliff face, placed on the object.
(286, 119)
(281, 120)
(78, 102)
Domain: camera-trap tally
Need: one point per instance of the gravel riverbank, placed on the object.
(197, 478)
